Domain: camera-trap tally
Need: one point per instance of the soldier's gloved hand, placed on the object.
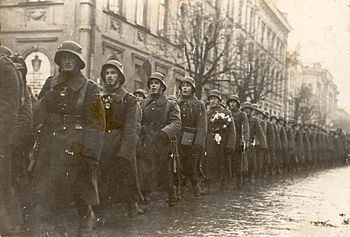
(51, 97)
(196, 149)
(162, 137)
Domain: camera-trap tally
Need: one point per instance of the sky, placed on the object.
(321, 30)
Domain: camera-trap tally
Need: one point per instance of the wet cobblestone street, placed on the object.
(301, 204)
(307, 203)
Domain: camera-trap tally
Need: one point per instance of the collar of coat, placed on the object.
(75, 83)
(190, 101)
(236, 112)
(117, 93)
(161, 99)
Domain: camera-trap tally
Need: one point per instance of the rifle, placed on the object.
(175, 156)
(32, 154)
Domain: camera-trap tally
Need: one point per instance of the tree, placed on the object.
(253, 74)
(206, 38)
(305, 104)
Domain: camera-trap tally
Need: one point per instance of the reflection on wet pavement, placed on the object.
(302, 204)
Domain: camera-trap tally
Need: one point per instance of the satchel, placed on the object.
(187, 138)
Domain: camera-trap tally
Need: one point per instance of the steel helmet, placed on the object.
(273, 117)
(233, 97)
(215, 93)
(72, 48)
(5, 51)
(246, 104)
(266, 114)
(141, 91)
(255, 107)
(159, 76)
(189, 80)
(282, 119)
(117, 65)
(292, 121)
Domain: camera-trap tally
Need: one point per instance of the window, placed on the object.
(115, 6)
(141, 12)
(262, 33)
(162, 17)
(251, 21)
(240, 12)
(272, 43)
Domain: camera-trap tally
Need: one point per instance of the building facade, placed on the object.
(265, 30)
(139, 32)
(320, 81)
(294, 81)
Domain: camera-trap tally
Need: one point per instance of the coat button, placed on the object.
(152, 108)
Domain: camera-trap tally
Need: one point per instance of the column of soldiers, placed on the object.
(84, 146)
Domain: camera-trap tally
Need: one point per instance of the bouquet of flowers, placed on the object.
(220, 121)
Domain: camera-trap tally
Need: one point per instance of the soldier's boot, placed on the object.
(252, 178)
(196, 189)
(205, 189)
(234, 181)
(239, 178)
(88, 219)
(172, 197)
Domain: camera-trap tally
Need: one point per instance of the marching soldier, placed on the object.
(141, 95)
(22, 139)
(283, 155)
(259, 152)
(161, 123)
(314, 139)
(242, 138)
(306, 145)
(70, 117)
(118, 174)
(10, 216)
(257, 140)
(291, 156)
(270, 163)
(221, 139)
(194, 131)
(299, 145)
(278, 145)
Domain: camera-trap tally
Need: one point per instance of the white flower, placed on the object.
(217, 138)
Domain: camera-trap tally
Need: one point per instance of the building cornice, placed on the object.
(278, 15)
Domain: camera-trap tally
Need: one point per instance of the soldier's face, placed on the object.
(261, 116)
(273, 120)
(186, 88)
(233, 104)
(254, 113)
(154, 87)
(69, 62)
(139, 97)
(113, 76)
(213, 101)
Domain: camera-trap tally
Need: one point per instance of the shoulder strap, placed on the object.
(167, 108)
(81, 96)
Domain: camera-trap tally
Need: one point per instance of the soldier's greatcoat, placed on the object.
(9, 105)
(242, 139)
(70, 141)
(257, 140)
(216, 160)
(299, 146)
(194, 121)
(159, 115)
(120, 139)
